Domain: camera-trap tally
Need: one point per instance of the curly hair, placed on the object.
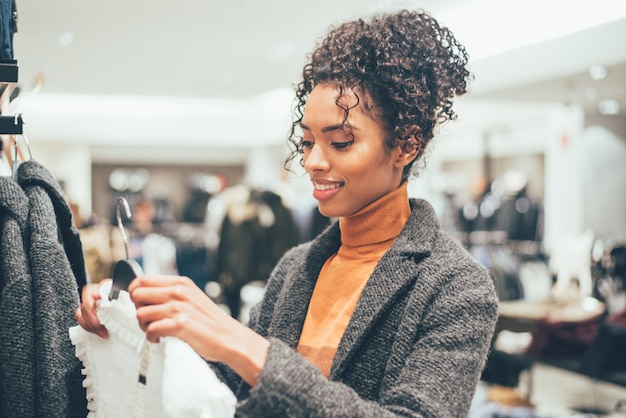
(403, 67)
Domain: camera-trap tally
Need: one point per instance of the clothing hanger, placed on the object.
(10, 100)
(9, 147)
(10, 126)
(11, 95)
(19, 157)
(125, 270)
(6, 162)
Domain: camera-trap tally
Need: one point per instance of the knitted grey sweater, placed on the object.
(58, 270)
(415, 346)
(17, 327)
(41, 268)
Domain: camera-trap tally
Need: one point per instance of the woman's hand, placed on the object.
(175, 306)
(86, 313)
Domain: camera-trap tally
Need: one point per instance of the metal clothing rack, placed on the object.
(8, 71)
(9, 124)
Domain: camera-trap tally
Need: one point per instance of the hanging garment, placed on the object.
(194, 261)
(155, 253)
(282, 234)
(17, 337)
(240, 254)
(503, 266)
(58, 271)
(35, 179)
(126, 375)
(8, 26)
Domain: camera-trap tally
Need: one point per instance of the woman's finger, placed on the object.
(170, 289)
(151, 313)
(157, 281)
(142, 296)
(90, 322)
(162, 328)
(86, 313)
(100, 329)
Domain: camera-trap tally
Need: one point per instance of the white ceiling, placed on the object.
(219, 74)
(189, 48)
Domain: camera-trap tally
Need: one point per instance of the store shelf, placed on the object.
(8, 71)
(11, 125)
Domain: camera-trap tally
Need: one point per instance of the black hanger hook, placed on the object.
(123, 202)
(18, 121)
(125, 270)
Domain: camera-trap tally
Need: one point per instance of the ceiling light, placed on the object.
(66, 39)
(590, 94)
(597, 72)
(609, 107)
(280, 51)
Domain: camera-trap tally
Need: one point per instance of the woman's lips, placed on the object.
(325, 190)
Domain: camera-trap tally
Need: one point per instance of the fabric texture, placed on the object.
(39, 376)
(8, 27)
(34, 176)
(414, 347)
(58, 269)
(17, 335)
(126, 375)
(365, 236)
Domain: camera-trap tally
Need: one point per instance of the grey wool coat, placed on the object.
(57, 268)
(415, 346)
(41, 270)
(17, 325)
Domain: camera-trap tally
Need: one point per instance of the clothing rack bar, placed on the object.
(8, 71)
(11, 125)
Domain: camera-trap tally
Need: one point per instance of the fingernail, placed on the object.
(103, 332)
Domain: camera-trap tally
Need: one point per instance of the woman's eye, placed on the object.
(303, 145)
(342, 145)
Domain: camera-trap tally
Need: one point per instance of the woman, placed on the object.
(382, 314)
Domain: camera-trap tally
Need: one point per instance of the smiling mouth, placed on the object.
(325, 186)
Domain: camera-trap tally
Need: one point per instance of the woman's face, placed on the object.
(348, 171)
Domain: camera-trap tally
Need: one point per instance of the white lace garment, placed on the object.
(128, 376)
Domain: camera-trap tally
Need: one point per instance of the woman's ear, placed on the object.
(408, 151)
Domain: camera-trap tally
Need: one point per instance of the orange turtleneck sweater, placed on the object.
(365, 236)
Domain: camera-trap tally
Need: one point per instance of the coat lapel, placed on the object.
(293, 303)
(394, 274)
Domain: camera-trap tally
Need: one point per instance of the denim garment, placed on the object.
(8, 26)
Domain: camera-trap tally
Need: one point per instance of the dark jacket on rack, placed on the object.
(17, 337)
(58, 270)
(415, 346)
(241, 253)
(8, 27)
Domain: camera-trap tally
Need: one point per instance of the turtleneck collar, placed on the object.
(380, 221)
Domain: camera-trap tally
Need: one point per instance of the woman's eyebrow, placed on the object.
(339, 126)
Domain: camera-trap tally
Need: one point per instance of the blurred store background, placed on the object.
(183, 109)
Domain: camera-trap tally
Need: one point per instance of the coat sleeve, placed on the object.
(437, 378)
(441, 373)
(260, 316)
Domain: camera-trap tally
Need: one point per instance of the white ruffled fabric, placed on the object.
(178, 382)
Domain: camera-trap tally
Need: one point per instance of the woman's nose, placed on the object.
(315, 160)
